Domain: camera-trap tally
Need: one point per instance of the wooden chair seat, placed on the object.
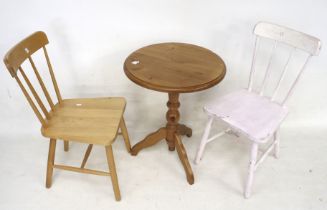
(83, 120)
(255, 116)
(86, 120)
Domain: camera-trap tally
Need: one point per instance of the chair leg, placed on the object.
(66, 146)
(51, 157)
(203, 142)
(276, 148)
(253, 160)
(125, 134)
(113, 174)
(87, 154)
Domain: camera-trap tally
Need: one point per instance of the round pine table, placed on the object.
(173, 68)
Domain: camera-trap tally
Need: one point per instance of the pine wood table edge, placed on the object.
(166, 89)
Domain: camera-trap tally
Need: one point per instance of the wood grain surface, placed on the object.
(175, 67)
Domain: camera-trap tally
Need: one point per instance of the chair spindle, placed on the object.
(30, 101)
(45, 91)
(36, 96)
(268, 69)
(283, 74)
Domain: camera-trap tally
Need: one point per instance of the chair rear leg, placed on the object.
(51, 157)
(253, 160)
(276, 148)
(66, 146)
(87, 154)
(203, 142)
(125, 134)
(113, 174)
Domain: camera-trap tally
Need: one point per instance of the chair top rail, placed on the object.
(21, 51)
(310, 44)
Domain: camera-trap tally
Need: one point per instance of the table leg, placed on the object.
(150, 140)
(184, 130)
(183, 157)
(172, 117)
(171, 133)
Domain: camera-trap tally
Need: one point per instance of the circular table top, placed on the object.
(174, 67)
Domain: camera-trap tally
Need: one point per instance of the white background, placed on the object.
(89, 41)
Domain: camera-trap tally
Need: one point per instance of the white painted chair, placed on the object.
(250, 112)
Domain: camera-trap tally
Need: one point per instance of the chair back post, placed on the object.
(296, 80)
(253, 64)
(53, 78)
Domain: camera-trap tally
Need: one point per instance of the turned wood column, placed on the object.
(172, 117)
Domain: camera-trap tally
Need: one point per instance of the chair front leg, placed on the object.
(253, 161)
(276, 148)
(203, 142)
(113, 174)
(87, 154)
(51, 157)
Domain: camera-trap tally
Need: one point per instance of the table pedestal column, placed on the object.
(172, 117)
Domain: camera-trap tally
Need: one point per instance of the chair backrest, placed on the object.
(14, 59)
(295, 41)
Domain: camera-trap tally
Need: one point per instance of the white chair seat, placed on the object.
(255, 116)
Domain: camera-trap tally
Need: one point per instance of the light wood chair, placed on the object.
(256, 112)
(85, 120)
